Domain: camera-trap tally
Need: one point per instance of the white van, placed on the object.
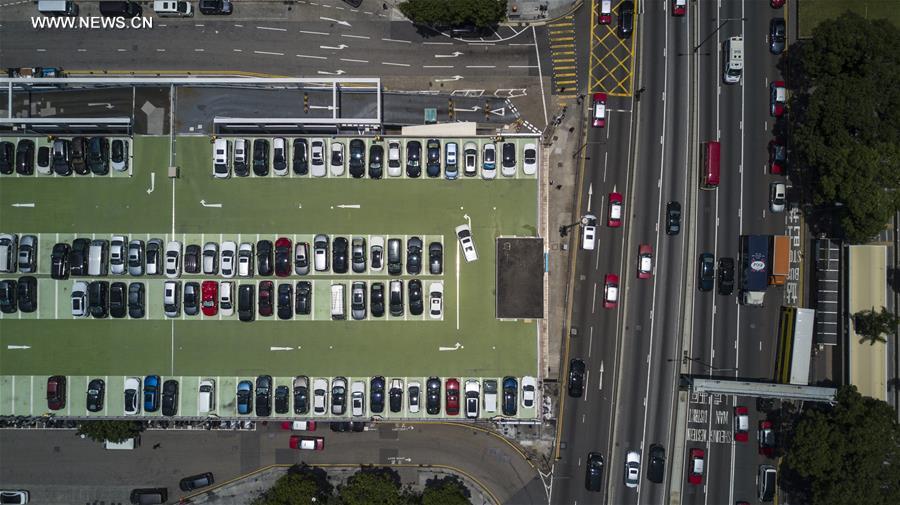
(126, 445)
(97, 264)
(337, 302)
(58, 7)
(173, 9)
(733, 64)
(206, 398)
(8, 247)
(220, 159)
(490, 395)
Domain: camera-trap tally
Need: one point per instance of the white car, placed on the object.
(529, 166)
(226, 303)
(117, 254)
(226, 258)
(320, 396)
(589, 232)
(79, 299)
(279, 157)
(336, 161)
(632, 469)
(119, 164)
(394, 166)
(210, 258)
(470, 159)
(245, 259)
(413, 391)
(777, 193)
(220, 159)
(473, 390)
(320, 253)
(358, 398)
(529, 391)
(464, 234)
(436, 291)
(317, 158)
(173, 259)
(489, 161)
(132, 396)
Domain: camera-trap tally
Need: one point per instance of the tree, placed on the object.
(873, 326)
(375, 486)
(300, 485)
(445, 491)
(449, 13)
(114, 431)
(845, 122)
(844, 453)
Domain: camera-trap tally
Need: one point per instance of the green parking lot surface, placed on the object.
(51, 342)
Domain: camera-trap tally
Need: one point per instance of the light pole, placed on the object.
(711, 368)
(717, 31)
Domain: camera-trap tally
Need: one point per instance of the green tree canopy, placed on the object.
(447, 13)
(873, 326)
(375, 486)
(845, 121)
(445, 491)
(114, 431)
(300, 485)
(845, 453)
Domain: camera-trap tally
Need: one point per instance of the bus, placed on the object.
(709, 170)
(794, 345)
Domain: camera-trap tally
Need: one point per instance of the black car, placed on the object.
(593, 478)
(95, 391)
(376, 161)
(246, 309)
(136, 300)
(414, 256)
(656, 470)
(266, 294)
(415, 297)
(118, 153)
(300, 161)
(204, 479)
(413, 158)
(433, 167)
(339, 263)
(282, 259)
(261, 157)
(59, 262)
(210, 8)
(78, 256)
(191, 298)
(43, 156)
(264, 258)
(98, 155)
(357, 158)
(706, 271)
(777, 32)
(626, 19)
(436, 258)
(576, 378)
(509, 155)
(396, 298)
(285, 301)
(26, 292)
(376, 299)
(8, 301)
(376, 387)
(338, 396)
(395, 398)
(98, 299)
(264, 395)
(510, 393)
(61, 154)
(433, 396)
(282, 399)
(7, 157)
(673, 218)
(25, 157)
(340, 426)
(170, 398)
(192, 260)
(726, 276)
(304, 297)
(77, 155)
(301, 395)
(148, 495)
(118, 304)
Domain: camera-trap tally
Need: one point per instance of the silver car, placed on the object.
(27, 254)
(117, 254)
(79, 299)
(154, 256)
(358, 301)
(211, 258)
(136, 257)
(317, 158)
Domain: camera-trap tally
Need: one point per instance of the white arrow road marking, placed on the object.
(454, 54)
(454, 78)
(323, 72)
(106, 104)
(274, 348)
(456, 347)
(500, 112)
(349, 206)
(216, 205)
(18, 347)
(473, 109)
(342, 23)
(152, 182)
(590, 195)
(339, 47)
(23, 205)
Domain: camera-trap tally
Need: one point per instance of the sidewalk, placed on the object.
(538, 10)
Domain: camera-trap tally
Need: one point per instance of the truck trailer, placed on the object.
(781, 260)
(754, 268)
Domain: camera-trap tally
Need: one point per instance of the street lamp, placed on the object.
(564, 229)
(717, 31)
(711, 368)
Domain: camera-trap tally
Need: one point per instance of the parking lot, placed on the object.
(195, 208)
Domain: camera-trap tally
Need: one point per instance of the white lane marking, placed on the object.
(312, 57)
(395, 64)
(313, 33)
(395, 40)
(351, 60)
(594, 300)
(274, 29)
(366, 37)
(481, 66)
(269, 53)
(587, 376)
(437, 66)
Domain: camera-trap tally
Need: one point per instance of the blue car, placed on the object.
(244, 396)
(510, 392)
(151, 393)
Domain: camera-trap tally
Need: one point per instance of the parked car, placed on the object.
(279, 157)
(303, 298)
(376, 392)
(358, 253)
(245, 260)
(413, 158)
(173, 256)
(136, 300)
(320, 392)
(209, 301)
(132, 395)
(317, 158)
(7, 158)
(24, 157)
(413, 391)
(204, 479)
(266, 298)
(508, 167)
(433, 396)
(154, 256)
(436, 296)
(210, 258)
(78, 297)
(529, 392)
(451, 161)
(261, 157)
(244, 395)
(470, 159)
(777, 196)
(283, 252)
(451, 401)
(529, 163)
(300, 159)
(191, 298)
(472, 400)
(625, 19)
(320, 253)
(214, 7)
(765, 437)
(777, 156)
(338, 396)
(777, 98)
(301, 394)
(43, 161)
(357, 158)
(416, 304)
(151, 393)
(28, 251)
(61, 157)
(191, 263)
(118, 300)
(339, 251)
(376, 161)
(98, 155)
(8, 297)
(170, 398)
(241, 169)
(119, 156)
(336, 162)
(285, 301)
(59, 261)
(394, 165)
(56, 392)
(227, 258)
(358, 301)
(414, 256)
(301, 258)
(510, 394)
(777, 34)
(264, 395)
(264, 258)
(95, 393)
(489, 161)
(98, 299)
(433, 166)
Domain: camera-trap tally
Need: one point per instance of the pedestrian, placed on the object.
(157, 445)
(559, 186)
(384, 6)
(642, 89)
(551, 182)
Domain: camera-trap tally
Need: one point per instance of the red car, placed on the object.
(766, 438)
(776, 4)
(610, 291)
(605, 16)
(695, 466)
(599, 110)
(299, 425)
(266, 289)
(210, 298)
(741, 424)
(307, 443)
(452, 397)
(614, 219)
(777, 156)
(679, 7)
(283, 257)
(645, 261)
(777, 98)
(56, 392)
